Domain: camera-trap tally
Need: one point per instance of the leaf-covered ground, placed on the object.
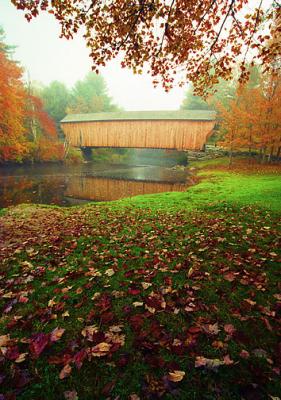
(132, 303)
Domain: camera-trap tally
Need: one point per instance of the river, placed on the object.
(68, 185)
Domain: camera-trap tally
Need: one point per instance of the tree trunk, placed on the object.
(264, 155)
(270, 154)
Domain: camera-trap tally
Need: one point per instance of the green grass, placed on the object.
(216, 187)
(199, 263)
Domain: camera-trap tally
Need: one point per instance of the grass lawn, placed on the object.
(176, 295)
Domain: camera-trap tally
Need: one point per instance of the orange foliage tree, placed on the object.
(252, 120)
(26, 130)
(12, 110)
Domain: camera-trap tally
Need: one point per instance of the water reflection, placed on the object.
(101, 189)
(68, 185)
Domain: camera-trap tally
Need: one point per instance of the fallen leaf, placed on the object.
(66, 371)
(227, 360)
(21, 357)
(138, 303)
(100, 349)
(37, 343)
(109, 272)
(209, 363)
(146, 285)
(56, 334)
(244, 354)
(4, 340)
(176, 376)
(229, 328)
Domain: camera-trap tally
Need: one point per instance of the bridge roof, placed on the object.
(194, 115)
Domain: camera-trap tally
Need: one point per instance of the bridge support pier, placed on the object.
(87, 153)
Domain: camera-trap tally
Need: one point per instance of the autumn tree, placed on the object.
(204, 40)
(12, 107)
(252, 120)
(25, 128)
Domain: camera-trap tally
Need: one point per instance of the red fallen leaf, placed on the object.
(227, 360)
(194, 329)
(12, 353)
(108, 388)
(134, 292)
(107, 317)
(229, 328)
(37, 343)
(244, 354)
(137, 321)
(266, 323)
(23, 299)
(168, 280)
(56, 334)
(229, 277)
(79, 358)
(66, 371)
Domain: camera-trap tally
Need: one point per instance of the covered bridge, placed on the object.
(180, 130)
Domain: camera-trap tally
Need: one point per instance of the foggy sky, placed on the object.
(46, 57)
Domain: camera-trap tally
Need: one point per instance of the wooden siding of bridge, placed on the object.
(101, 189)
(155, 134)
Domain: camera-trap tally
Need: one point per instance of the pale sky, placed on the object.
(48, 58)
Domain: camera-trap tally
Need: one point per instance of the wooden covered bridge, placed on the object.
(179, 130)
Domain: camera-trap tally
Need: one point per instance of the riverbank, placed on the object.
(175, 295)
